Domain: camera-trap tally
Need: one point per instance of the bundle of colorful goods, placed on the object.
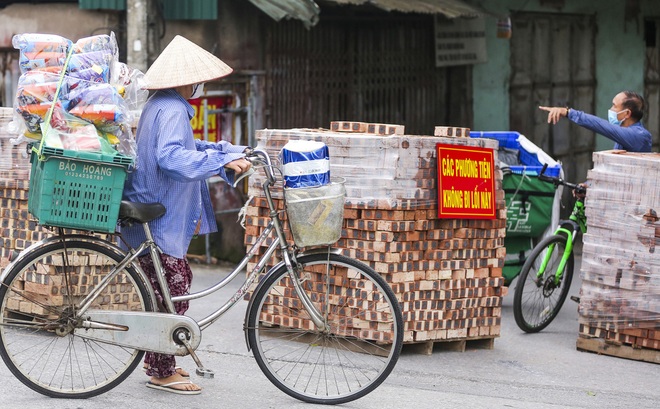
(81, 88)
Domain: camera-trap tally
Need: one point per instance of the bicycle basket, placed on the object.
(316, 213)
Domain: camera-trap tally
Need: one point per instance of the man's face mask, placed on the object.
(612, 117)
(198, 91)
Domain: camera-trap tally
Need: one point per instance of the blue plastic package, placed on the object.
(305, 164)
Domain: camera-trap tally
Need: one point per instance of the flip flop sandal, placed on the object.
(168, 387)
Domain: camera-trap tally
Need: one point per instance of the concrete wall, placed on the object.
(64, 19)
(620, 53)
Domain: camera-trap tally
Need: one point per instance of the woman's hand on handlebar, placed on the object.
(239, 166)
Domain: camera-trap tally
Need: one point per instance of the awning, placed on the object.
(305, 10)
(308, 11)
(449, 8)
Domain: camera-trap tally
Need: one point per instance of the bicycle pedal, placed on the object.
(205, 373)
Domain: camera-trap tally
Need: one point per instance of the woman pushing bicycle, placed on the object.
(172, 169)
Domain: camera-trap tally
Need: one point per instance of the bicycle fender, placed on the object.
(23, 253)
(77, 237)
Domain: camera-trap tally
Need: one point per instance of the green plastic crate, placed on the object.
(77, 190)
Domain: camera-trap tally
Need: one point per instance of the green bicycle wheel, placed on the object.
(538, 298)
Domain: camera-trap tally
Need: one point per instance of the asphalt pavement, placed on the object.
(543, 371)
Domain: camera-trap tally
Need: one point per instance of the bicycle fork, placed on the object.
(564, 258)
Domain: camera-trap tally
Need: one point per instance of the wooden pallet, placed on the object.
(428, 347)
(601, 346)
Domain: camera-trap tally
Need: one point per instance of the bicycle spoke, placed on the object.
(538, 298)
(347, 359)
(39, 332)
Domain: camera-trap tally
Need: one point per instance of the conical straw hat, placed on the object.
(183, 62)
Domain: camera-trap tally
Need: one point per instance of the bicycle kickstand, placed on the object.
(200, 371)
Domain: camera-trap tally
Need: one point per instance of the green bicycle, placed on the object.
(546, 276)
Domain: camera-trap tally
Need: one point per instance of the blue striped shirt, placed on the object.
(172, 168)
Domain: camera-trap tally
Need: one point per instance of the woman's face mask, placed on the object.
(198, 91)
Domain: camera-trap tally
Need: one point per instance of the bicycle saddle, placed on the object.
(140, 212)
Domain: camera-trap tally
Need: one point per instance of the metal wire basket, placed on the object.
(316, 213)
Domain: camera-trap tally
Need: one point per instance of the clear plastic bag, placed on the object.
(46, 52)
(90, 110)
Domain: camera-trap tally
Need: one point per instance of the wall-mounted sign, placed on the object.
(214, 120)
(460, 41)
(466, 184)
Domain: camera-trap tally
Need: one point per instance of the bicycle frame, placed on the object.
(578, 222)
(130, 258)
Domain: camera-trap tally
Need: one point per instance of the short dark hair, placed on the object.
(635, 103)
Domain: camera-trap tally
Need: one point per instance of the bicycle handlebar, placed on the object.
(257, 157)
(559, 181)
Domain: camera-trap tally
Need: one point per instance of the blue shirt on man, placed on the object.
(633, 138)
(172, 167)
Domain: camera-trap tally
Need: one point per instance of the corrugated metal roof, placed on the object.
(172, 9)
(190, 9)
(308, 11)
(449, 8)
(305, 10)
(102, 4)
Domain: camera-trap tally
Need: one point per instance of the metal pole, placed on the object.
(136, 34)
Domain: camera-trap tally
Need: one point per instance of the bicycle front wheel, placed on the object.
(349, 359)
(538, 298)
(42, 341)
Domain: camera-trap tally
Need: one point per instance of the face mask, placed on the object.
(612, 117)
(198, 91)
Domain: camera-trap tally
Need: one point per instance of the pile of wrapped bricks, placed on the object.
(17, 228)
(619, 310)
(446, 273)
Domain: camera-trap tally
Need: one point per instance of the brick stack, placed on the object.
(619, 310)
(18, 231)
(446, 273)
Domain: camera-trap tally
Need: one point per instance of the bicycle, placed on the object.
(546, 275)
(77, 313)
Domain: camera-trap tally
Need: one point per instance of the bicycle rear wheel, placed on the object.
(341, 364)
(40, 338)
(538, 299)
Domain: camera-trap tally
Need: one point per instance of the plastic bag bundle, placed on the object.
(93, 58)
(86, 100)
(45, 52)
(131, 85)
(100, 104)
(69, 132)
(34, 95)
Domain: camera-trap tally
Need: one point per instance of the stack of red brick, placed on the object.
(447, 273)
(18, 231)
(620, 294)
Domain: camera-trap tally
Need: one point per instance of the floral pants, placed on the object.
(179, 277)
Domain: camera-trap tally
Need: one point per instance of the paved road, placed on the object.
(522, 371)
